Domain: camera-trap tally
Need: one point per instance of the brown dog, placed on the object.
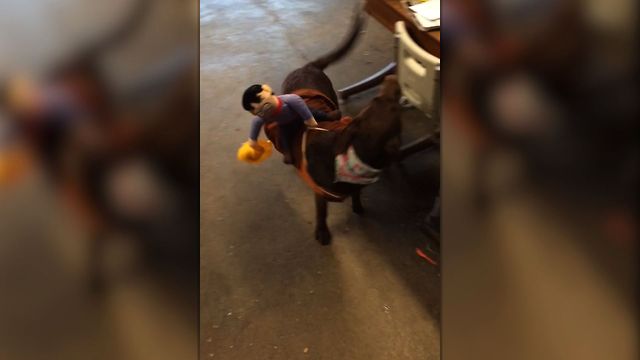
(373, 135)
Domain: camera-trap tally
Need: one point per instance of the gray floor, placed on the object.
(268, 289)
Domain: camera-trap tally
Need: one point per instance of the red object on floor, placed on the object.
(426, 257)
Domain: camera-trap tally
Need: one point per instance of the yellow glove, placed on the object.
(255, 153)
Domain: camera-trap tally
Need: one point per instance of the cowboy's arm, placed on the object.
(256, 126)
(300, 107)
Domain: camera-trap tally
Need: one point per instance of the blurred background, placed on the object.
(99, 183)
(540, 164)
(99, 179)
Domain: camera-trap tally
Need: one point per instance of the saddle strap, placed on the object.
(304, 174)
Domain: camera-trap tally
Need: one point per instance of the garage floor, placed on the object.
(268, 289)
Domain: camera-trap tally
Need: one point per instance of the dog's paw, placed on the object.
(323, 235)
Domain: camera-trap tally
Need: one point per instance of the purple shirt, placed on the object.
(293, 109)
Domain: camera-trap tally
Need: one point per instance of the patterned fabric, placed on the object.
(350, 169)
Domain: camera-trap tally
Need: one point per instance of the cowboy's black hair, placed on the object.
(251, 96)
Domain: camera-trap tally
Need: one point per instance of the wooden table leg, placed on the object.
(368, 83)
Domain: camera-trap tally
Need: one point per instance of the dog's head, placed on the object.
(376, 130)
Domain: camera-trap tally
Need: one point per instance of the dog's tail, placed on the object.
(335, 55)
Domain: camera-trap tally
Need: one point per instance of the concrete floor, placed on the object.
(268, 289)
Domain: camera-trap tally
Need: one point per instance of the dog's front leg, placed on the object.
(322, 230)
(356, 204)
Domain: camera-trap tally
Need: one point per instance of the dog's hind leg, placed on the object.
(356, 203)
(323, 235)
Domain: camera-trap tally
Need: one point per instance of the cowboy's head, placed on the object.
(259, 100)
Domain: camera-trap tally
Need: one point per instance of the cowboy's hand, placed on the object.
(256, 147)
(311, 122)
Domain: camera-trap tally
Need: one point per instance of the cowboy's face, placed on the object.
(267, 104)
